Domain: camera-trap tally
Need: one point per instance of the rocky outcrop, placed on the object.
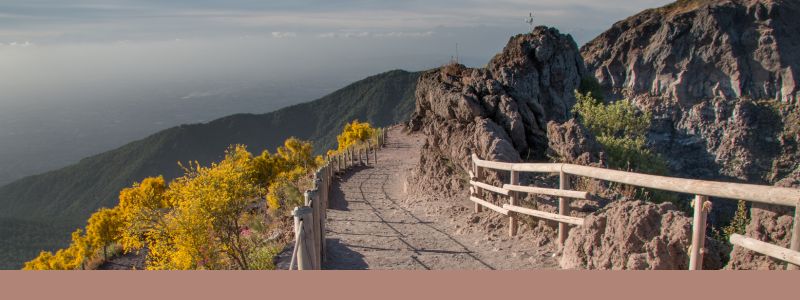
(769, 223)
(636, 235)
(700, 49)
(720, 77)
(570, 142)
(499, 112)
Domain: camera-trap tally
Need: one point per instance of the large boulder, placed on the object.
(635, 235)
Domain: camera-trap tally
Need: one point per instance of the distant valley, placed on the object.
(75, 191)
(36, 138)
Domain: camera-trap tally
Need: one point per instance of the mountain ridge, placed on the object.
(76, 191)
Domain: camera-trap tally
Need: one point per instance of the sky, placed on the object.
(80, 77)
(26, 22)
(110, 43)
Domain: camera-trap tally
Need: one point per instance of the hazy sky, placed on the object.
(80, 77)
(49, 40)
(58, 21)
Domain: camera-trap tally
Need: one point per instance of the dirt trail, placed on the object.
(375, 224)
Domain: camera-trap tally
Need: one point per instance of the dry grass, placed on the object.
(682, 6)
(94, 262)
(453, 69)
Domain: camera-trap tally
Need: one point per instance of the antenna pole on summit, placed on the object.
(456, 52)
(529, 20)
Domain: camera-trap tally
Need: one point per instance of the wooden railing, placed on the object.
(309, 220)
(702, 189)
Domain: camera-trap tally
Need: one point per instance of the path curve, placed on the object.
(373, 223)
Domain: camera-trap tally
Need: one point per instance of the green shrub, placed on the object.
(262, 258)
(622, 131)
(737, 225)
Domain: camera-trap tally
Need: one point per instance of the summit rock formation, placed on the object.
(499, 112)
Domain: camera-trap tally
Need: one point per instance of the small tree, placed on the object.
(103, 228)
(142, 208)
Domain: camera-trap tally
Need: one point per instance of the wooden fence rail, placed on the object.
(309, 220)
(702, 189)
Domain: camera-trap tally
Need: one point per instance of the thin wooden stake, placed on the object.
(563, 207)
(513, 199)
(367, 151)
(478, 191)
(698, 233)
(795, 244)
(375, 151)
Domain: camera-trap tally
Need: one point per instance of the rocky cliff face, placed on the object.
(721, 78)
(499, 112)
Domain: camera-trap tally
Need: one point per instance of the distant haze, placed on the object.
(81, 77)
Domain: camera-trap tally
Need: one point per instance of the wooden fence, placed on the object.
(309, 220)
(702, 190)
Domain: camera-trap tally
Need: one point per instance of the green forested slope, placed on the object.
(62, 200)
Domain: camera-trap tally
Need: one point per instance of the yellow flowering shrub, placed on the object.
(355, 133)
(212, 217)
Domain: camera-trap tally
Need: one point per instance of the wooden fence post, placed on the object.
(366, 151)
(313, 225)
(513, 197)
(795, 244)
(334, 164)
(698, 233)
(563, 207)
(323, 216)
(350, 157)
(302, 222)
(375, 152)
(478, 191)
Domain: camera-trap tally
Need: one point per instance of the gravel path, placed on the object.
(375, 224)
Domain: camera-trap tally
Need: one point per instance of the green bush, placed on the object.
(737, 224)
(622, 131)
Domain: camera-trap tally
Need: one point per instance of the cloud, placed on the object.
(21, 44)
(283, 35)
(395, 34)
(366, 34)
(86, 20)
(346, 35)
